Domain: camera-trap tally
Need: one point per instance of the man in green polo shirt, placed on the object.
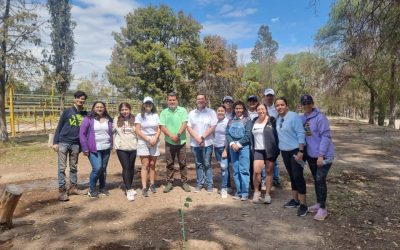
(173, 121)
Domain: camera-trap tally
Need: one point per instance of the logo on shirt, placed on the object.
(75, 120)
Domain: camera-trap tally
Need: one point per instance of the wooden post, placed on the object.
(44, 121)
(8, 202)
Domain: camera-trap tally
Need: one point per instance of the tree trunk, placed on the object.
(8, 202)
(3, 74)
(372, 107)
(381, 114)
(62, 100)
(392, 96)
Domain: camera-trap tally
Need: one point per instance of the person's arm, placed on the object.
(247, 133)
(299, 130)
(60, 125)
(83, 132)
(192, 132)
(213, 124)
(326, 138)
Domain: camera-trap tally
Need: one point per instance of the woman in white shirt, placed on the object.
(147, 124)
(220, 149)
(125, 143)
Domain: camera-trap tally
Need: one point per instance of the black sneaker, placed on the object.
(104, 192)
(277, 184)
(145, 192)
(291, 203)
(153, 188)
(302, 210)
(93, 194)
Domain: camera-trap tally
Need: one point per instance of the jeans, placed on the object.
(66, 150)
(127, 160)
(202, 160)
(171, 152)
(277, 178)
(241, 170)
(319, 174)
(99, 163)
(224, 164)
(295, 171)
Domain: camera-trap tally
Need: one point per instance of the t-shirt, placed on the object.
(228, 115)
(220, 131)
(103, 140)
(258, 133)
(149, 125)
(253, 114)
(272, 111)
(125, 136)
(200, 121)
(172, 120)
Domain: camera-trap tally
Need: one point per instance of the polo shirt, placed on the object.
(172, 120)
(200, 121)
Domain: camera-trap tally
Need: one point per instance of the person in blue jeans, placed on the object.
(238, 134)
(96, 140)
(220, 150)
(201, 125)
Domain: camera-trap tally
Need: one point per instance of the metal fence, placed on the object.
(30, 112)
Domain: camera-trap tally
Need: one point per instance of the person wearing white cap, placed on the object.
(201, 125)
(269, 97)
(147, 127)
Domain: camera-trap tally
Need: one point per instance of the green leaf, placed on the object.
(186, 204)
(188, 199)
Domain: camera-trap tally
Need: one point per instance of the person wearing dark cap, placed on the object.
(228, 104)
(319, 152)
(269, 96)
(252, 103)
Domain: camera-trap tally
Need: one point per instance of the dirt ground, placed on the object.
(363, 195)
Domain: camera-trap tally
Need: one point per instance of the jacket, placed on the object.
(87, 137)
(318, 139)
(270, 138)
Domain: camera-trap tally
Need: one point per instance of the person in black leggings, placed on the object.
(125, 142)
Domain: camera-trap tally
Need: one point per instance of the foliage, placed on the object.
(62, 41)
(181, 211)
(157, 52)
(19, 26)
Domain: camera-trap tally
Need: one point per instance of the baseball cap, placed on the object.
(269, 92)
(252, 98)
(227, 98)
(306, 99)
(148, 99)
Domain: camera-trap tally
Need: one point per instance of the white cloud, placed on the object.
(240, 12)
(244, 55)
(283, 50)
(275, 19)
(230, 30)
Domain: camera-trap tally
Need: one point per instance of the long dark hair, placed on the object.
(245, 113)
(265, 106)
(93, 115)
(143, 110)
(130, 117)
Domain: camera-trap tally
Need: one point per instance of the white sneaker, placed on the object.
(130, 195)
(267, 199)
(224, 193)
(134, 191)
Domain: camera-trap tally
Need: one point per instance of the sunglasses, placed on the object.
(281, 123)
(307, 103)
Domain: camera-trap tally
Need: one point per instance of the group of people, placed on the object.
(248, 137)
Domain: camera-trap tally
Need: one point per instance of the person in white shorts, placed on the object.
(147, 124)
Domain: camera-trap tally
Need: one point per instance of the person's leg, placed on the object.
(298, 177)
(269, 166)
(199, 162)
(277, 179)
(181, 152)
(145, 160)
(244, 165)
(223, 162)
(322, 190)
(95, 161)
(207, 167)
(131, 170)
(234, 156)
(228, 170)
(73, 164)
(287, 159)
(62, 165)
(123, 157)
(170, 153)
(251, 171)
(258, 165)
(312, 163)
(152, 168)
(105, 156)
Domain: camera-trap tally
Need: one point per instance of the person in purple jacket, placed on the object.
(95, 136)
(319, 152)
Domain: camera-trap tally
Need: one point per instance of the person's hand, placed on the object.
(235, 147)
(153, 141)
(320, 161)
(199, 140)
(175, 138)
(55, 147)
(224, 154)
(86, 153)
(299, 156)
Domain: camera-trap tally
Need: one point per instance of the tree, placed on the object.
(18, 31)
(158, 51)
(62, 41)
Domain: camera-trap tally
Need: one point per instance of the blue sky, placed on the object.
(293, 24)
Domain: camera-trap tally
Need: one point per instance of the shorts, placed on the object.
(261, 155)
(144, 148)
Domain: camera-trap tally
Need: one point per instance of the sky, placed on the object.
(293, 24)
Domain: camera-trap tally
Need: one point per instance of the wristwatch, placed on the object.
(202, 138)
